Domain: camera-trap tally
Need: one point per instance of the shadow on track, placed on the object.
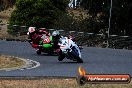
(45, 54)
(69, 62)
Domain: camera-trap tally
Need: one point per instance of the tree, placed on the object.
(60, 4)
(38, 13)
(121, 17)
(4, 4)
(121, 14)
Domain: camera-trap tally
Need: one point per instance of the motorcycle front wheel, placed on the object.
(76, 55)
(79, 60)
(61, 56)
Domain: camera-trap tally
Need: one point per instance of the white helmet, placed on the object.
(55, 33)
(31, 29)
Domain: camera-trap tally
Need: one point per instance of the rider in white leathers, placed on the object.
(66, 43)
(57, 40)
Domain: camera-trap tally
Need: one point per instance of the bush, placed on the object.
(72, 22)
(37, 13)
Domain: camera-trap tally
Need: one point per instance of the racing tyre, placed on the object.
(38, 52)
(61, 57)
(79, 60)
(50, 52)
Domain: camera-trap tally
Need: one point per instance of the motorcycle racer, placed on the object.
(31, 32)
(56, 42)
(56, 36)
(45, 44)
(35, 36)
(40, 40)
(56, 39)
(69, 50)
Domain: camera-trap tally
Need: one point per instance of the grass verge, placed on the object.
(55, 83)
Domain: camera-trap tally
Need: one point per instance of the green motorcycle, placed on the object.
(45, 45)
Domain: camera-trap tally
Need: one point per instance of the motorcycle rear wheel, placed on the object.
(38, 52)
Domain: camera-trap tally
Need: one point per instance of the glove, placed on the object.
(40, 46)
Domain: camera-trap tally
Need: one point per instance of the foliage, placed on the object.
(52, 13)
(38, 13)
(4, 4)
(121, 17)
(60, 4)
(121, 14)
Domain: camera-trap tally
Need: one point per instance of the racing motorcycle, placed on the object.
(45, 45)
(73, 39)
(40, 40)
(69, 50)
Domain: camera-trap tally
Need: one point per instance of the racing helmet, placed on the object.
(43, 31)
(30, 30)
(56, 35)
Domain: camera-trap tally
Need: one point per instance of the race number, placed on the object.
(46, 40)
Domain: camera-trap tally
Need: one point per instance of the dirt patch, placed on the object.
(10, 62)
(46, 83)
(55, 83)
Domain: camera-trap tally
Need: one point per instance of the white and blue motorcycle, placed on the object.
(69, 50)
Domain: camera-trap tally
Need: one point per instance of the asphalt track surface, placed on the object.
(96, 61)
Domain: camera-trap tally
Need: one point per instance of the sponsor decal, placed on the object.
(101, 78)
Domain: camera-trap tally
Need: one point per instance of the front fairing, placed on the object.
(64, 44)
(67, 44)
